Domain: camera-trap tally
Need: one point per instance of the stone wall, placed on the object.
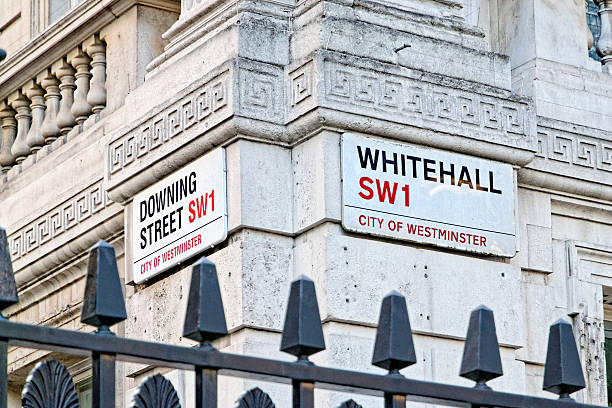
(277, 84)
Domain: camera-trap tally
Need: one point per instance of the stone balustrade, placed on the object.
(59, 99)
(604, 45)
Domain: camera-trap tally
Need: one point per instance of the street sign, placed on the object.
(179, 216)
(402, 191)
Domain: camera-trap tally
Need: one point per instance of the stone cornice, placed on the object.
(571, 158)
(346, 92)
(83, 21)
(49, 239)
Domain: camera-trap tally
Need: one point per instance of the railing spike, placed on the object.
(481, 360)
(103, 303)
(393, 348)
(302, 331)
(8, 288)
(205, 318)
(563, 371)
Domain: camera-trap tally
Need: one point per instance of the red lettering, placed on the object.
(370, 193)
(406, 190)
(382, 194)
(483, 241)
(191, 211)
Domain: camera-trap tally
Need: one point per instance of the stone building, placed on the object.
(102, 99)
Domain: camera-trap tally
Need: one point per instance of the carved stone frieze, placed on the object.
(57, 221)
(265, 100)
(571, 158)
(201, 106)
(447, 106)
(576, 148)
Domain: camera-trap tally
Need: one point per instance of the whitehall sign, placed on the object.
(430, 196)
(179, 216)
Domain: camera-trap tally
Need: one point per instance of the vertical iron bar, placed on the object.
(303, 394)
(395, 401)
(103, 380)
(206, 387)
(4, 373)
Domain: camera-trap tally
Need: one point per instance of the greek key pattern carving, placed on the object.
(574, 149)
(301, 83)
(199, 106)
(261, 94)
(59, 220)
(408, 98)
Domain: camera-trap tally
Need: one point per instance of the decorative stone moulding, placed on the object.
(329, 89)
(53, 102)
(583, 156)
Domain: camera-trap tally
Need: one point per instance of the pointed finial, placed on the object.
(205, 318)
(481, 360)
(8, 288)
(563, 371)
(103, 303)
(393, 348)
(302, 332)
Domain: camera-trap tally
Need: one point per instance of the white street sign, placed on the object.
(402, 191)
(179, 216)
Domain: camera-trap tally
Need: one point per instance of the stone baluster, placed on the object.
(96, 97)
(604, 45)
(9, 129)
(65, 73)
(589, 34)
(21, 104)
(35, 93)
(80, 108)
(50, 130)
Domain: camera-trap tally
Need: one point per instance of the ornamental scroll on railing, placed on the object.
(49, 385)
(61, 97)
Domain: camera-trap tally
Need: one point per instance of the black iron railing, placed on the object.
(302, 336)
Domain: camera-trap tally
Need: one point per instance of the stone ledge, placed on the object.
(571, 158)
(243, 97)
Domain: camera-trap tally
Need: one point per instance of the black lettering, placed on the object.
(151, 206)
(158, 232)
(386, 161)
(368, 158)
(160, 200)
(414, 164)
(178, 210)
(149, 227)
(143, 238)
(165, 226)
(450, 173)
(493, 189)
(464, 178)
(143, 211)
(427, 170)
(192, 182)
(478, 186)
(170, 194)
(183, 187)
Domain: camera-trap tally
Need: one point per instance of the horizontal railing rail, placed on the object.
(187, 358)
(302, 336)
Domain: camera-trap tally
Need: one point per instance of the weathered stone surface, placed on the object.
(346, 85)
(354, 273)
(259, 185)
